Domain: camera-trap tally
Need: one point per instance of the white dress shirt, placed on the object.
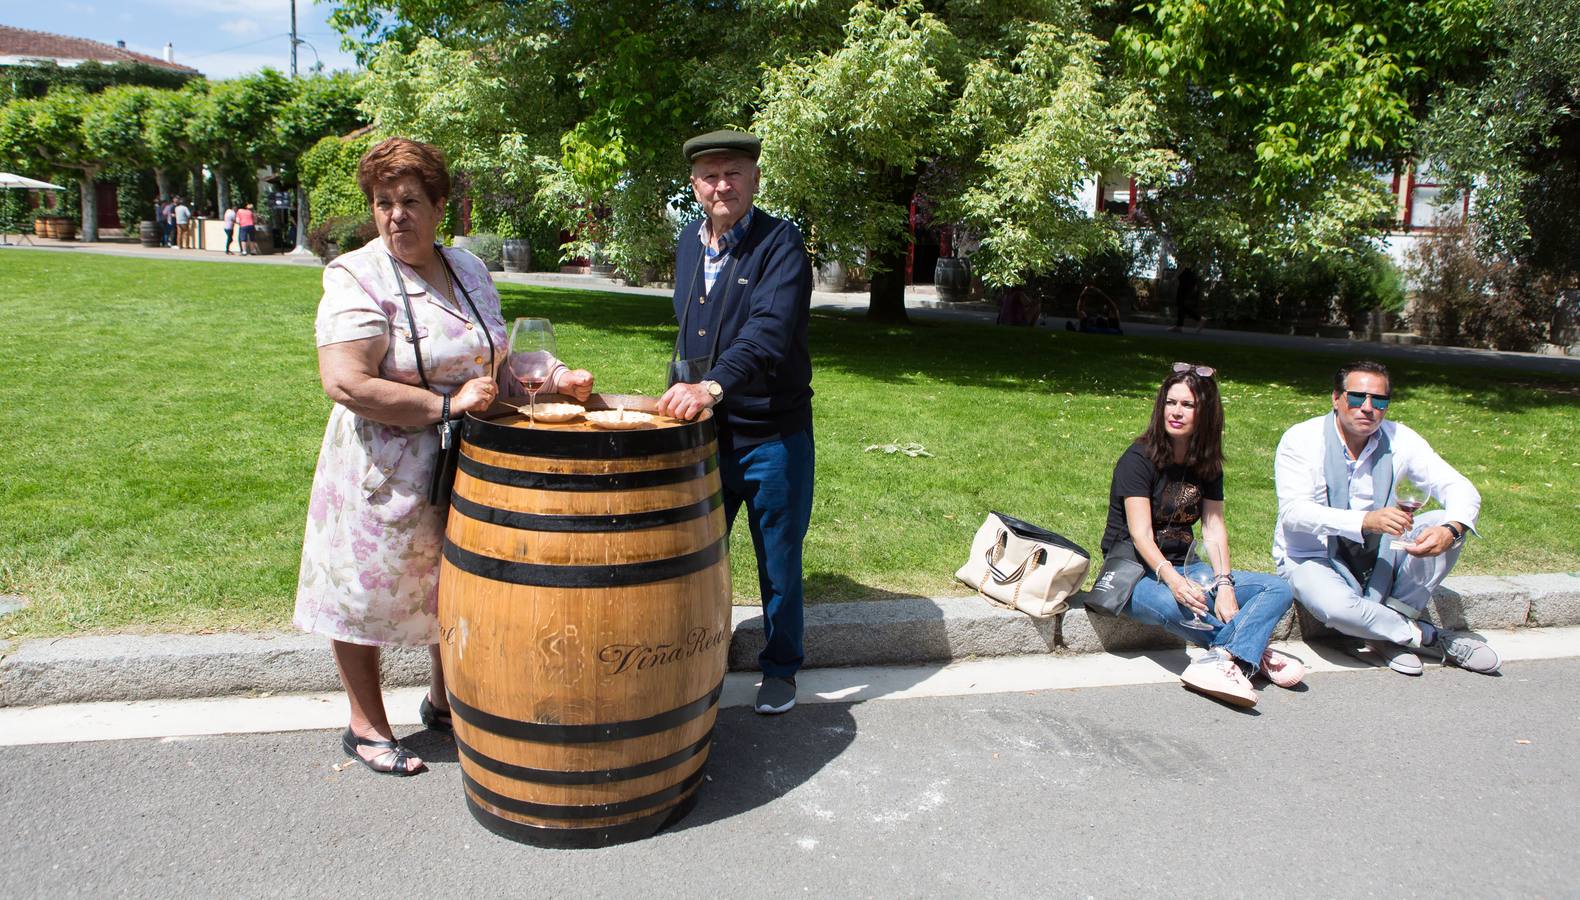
(1305, 521)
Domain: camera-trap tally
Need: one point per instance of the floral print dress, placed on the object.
(370, 558)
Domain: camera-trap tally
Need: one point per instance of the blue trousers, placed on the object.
(774, 480)
(1263, 601)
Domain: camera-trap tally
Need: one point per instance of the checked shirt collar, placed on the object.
(713, 260)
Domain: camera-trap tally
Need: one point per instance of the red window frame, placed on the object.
(1410, 184)
(1130, 207)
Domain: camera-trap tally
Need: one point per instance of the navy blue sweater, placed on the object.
(763, 295)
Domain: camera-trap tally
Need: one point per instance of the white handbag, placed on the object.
(1018, 565)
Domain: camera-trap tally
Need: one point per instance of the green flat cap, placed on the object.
(725, 141)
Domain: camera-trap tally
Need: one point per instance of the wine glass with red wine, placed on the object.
(1410, 498)
(532, 357)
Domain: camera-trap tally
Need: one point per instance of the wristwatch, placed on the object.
(714, 389)
(1458, 535)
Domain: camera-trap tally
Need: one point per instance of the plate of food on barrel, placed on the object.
(554, 413)
(601, 412)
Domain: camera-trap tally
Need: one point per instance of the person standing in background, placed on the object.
(1187, 300)
(167, 223)
(230, 227)
(183, 218)
(244, 224)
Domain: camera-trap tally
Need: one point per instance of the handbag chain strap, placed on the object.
(1032, 560)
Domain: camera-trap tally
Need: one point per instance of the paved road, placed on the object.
(1364, 784)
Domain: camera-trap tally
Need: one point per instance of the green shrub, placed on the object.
(490, 248)
(14, 214)
(329, 170)
(1367, 282)
(346, 233)
(1465, 300)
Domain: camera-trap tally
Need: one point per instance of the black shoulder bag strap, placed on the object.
(444, 469)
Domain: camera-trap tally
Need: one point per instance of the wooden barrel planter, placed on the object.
(148, 233)
(952, 278)
(516, 255)
(584, 608)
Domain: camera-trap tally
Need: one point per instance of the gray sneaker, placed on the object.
(1466, 651)
(776, 695)
(1401, 659)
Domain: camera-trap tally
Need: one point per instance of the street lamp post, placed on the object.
(301, 195)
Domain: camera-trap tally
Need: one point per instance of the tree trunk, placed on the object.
(886, 297)
(162, 178)
(301, 223)
(197, 191)
(90, 207)
(222, 187)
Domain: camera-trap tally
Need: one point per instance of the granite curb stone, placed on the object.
(907, 631)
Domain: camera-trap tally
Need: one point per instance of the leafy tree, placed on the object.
(572, 112)
(1283, 114)
(1511, 129)
(48, 133)
(232, 130)
(319, 105)
(114, 127)
(167, 132)
(997, 111)
(329, 172)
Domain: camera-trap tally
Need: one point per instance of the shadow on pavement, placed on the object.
(757, 760)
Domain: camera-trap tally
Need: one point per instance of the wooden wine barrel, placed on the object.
(148, 233)
(516, 255)
(952, 278)
(584, 608)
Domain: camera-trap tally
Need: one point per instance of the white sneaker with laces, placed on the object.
(1216, 675)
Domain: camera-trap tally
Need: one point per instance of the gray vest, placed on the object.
(1369, 561)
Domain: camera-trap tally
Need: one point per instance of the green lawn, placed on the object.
(163, 420)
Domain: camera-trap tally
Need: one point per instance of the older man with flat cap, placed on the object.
(743, 288)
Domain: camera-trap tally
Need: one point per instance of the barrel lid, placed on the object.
(492, 433)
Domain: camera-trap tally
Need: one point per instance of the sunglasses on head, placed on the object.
(1203, 371)
(1357, 399)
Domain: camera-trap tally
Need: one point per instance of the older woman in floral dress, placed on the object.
(409, 333)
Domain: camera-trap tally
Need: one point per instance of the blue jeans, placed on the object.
(1263, 601)
(774, 480)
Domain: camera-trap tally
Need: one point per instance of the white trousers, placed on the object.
(1328, 597)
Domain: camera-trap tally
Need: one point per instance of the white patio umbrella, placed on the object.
(8, 181)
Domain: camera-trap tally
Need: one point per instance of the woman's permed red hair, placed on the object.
(395, 158)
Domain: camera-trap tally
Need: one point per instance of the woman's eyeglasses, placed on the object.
(1357, 399)
(1203, 371)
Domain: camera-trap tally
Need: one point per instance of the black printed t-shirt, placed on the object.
(1176, 501)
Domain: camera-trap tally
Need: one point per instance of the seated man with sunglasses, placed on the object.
(1335, 475)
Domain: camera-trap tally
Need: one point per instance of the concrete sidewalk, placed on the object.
(873, 633)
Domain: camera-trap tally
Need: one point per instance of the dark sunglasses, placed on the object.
(1203, 371)
(1357, 399)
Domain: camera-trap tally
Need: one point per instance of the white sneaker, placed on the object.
(1216, 675)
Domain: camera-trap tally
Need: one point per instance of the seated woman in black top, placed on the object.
(1168, 479)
